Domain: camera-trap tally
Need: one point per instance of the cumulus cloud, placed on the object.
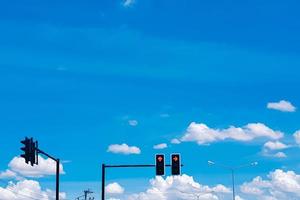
(279, 185)
(238, 198)
(160, 146)
(123, 149)
(202, 134)
(275, 145)
(114, 188)
(179, 187)
(284, 106)
(19, 169)
(8, 174)
(175, 141)
(280, 155)
(44, 168)
(297, 137)
(27, 190)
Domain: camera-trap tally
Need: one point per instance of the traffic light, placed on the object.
(175, 164)
(29, 151)
(160, 164)
(26, 149)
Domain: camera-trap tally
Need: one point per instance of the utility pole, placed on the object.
(86, 192)
(85, 195)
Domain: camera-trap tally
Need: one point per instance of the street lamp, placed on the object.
(232, 169)
(199, 194)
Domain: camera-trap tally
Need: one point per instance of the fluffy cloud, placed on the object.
(297, 137)
(202, 134)
(114, 188)
(279, 185)
(238, 198)
(179, 187)
(175, 141)
(280, 155)
(123, 149)
(8, 174)
(160, 146)
(27, 190)
(282, 105)
(275, 145)
(18, 169)
(44, 168)
(128, 3)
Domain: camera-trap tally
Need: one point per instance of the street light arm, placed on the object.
(232, 168)
(220, 165)
(246, 165)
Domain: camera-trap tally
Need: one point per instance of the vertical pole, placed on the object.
(233, 189)
(103, 182)
(85, 195)
(57, 179)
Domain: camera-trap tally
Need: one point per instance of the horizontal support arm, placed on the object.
(132, 166)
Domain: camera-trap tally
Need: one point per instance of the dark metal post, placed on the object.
(233, 189)
(57, 179)
(103, 182)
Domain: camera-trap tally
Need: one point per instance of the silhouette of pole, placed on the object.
(232, 170)
(103, 182)
(57, 179)
(57, 171)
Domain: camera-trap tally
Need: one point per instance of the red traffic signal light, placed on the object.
(175, 164)
(160, 164)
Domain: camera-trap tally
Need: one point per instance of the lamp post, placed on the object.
(232, 170)
(199, 194)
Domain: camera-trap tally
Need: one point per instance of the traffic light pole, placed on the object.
(120, 166)
(57, 170)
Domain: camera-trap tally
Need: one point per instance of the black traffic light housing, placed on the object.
(175, 164)
(29, 150)
(160, 164)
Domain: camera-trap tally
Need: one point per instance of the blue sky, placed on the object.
(73, 74)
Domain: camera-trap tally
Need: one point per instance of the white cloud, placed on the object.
(114, 188)
(160, 146)
(133, 122)
(123, 149)
(202, 134)
(280, 155)
(297, 137)
(179, 187)
(279, 185)
(27, 190)
(8, 174)
(175, 141)
(284, 106)
(238, 198)
(44, 168)
(128, 3)
(275, 145)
